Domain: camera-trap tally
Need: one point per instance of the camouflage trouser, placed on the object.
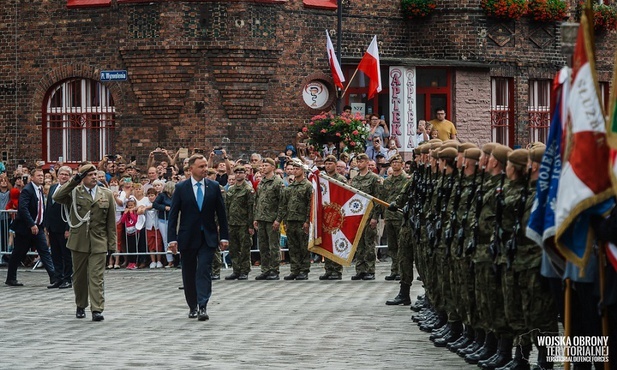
(538, 307)
(489, 299)
(365, 252)
(217, 262)
(405, 254)
(297, 241)
(269, 247)
(512, 300)
(392, 230)
(435, 271)
(240, 243)
(449, 286)
(333, 268)
(464, 281)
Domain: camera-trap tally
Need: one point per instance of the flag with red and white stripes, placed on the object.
(335, 68)
(371, 68)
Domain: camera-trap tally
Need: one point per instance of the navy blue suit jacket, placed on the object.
(26, 211)
(192, 220)
(53, 214)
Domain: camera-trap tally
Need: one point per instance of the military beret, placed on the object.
(518, 158)
(435, 154)
(269, 161)
(450, 144)
(362, 156)
(448, 153)
(396, 158)
(536, 153)
(500, 152)
(435, 141)
(424, 149)
(330, 158)
(239, 169)
(472, 153)
(488, 147)
(211, 171)
(436, 145)
(464, 146)
(536, 144)
(295, 162)
(88, 167)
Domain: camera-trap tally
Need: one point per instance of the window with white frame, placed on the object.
(502, 110)
(539, 110)
(78, 121)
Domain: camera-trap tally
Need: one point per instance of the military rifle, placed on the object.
(449, 234)
(475, 232)
(497, 240)
(512, 243)
(460, 235)
(431, 222)
(444, 210)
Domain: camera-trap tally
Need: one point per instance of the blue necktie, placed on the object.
(200, 195)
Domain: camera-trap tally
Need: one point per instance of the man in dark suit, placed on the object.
(28, 227)
(58, 232)
(196, 202)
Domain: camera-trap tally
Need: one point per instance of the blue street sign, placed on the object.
(113, 75)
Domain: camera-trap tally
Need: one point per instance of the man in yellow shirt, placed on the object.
(445, 128)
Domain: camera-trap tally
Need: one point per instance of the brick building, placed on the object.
(231, 73)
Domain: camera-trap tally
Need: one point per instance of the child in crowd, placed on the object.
(153, 235)
(129, 221)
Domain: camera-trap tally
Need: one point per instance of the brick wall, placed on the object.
(472, 104)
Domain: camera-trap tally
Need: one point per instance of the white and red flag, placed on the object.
(370, 66)
(585, 184)
(338, 217)
(335, 68)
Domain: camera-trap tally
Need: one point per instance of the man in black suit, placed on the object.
(196, 201)
(28, 227)
(58, 232)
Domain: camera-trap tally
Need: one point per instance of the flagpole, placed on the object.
(349, 83)
(567, 318)
(354, 190)
(339, 42)
(603, 310)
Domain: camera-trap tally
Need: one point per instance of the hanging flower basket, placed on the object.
(548, 10)
(505, 9)
(604, 16)
(414, 9)
(346, 128)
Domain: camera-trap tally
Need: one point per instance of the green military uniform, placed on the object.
(217, 260)
(392, 187)
(268, 200)
(332, 268)
(92, 235)
(365, 251)
(296, 213)
(239, 202)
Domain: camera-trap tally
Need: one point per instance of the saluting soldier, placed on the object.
(267, 214)
(334, 271)
(239, 202)
(296, 210)
(92, 223)
(368, 182)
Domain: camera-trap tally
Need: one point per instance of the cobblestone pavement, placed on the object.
(253, 325)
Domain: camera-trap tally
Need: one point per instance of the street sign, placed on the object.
(113, 75)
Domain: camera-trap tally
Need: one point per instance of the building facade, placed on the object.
(85, 78)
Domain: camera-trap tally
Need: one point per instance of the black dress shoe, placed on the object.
(243, 277)
(65, 285)
(202, 315)
(216, 277)
(13, 283)
(97, 316)
(193, 313)
(233, 276)
(390, 277)
(80, 313)
(399, 299)
(290, 277)
(302, 276)
(273, 276)
(54, 285)
(368, 276)
(262, 276)
(358, 276)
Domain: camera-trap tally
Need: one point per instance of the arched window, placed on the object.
(78, 121)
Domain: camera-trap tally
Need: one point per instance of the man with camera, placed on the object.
(376, 149)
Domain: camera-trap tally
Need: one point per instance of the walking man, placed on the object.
(58, 232)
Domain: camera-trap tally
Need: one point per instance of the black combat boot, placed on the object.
(502, 357)
(462, 342)
(487, 350)
(456, 331)
(520, 360)
(477, 343)
(402, 297)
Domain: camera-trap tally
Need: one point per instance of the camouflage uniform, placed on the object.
(217, 261)
(406, 236)
(392, 187)
(267, 210)
(331, 267)
(296, 207)
(365, 252)
(239, 202)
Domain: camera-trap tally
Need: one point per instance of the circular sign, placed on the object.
(316, 94)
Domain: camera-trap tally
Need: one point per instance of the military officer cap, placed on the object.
(88, 167)
(362, 156)
(330, 158)
(464, 146)
(500, 152)
(536, 153)
(518, 158)
(295, 162)
(269, 161)
(448, 153)
(472, 153)
(488, 147)
(239, 169)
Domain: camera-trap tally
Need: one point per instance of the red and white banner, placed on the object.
(370, 66)
(335, 68)
(338, 216)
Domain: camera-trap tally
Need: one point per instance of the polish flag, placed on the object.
(370, 66)
(335, 68)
